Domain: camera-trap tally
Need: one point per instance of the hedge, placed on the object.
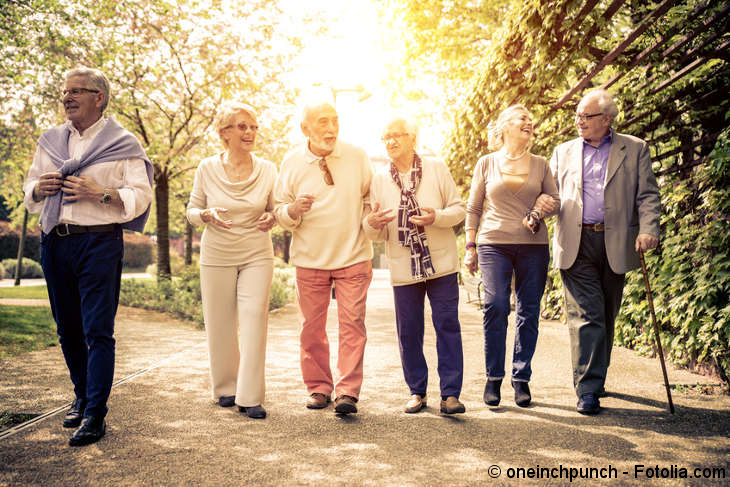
(9, 239)
(30, 268)
(139, 250)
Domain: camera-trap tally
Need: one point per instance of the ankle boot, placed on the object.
(522, 393)
(492, 394)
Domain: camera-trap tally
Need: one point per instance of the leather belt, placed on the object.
(65, 229)
(596, 227)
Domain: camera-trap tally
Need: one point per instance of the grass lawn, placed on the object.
(24, 292)
(25, 328)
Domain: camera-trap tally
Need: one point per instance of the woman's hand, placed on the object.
(545, 204)
(377, 219)
(265, 222)
(427, 217)
(212, 215)
(471, 261)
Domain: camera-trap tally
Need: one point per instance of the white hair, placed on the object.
(409, 125)
(95, 78)
(605, 101)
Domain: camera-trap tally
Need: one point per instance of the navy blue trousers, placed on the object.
(443, 295)
(83, 273)
(529, 264)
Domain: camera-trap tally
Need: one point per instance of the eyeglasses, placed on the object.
(391, 137)
(326, 172)
(243, 127)
(582, 117)
(74, 92)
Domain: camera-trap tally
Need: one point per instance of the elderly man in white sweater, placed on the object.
(415, 206)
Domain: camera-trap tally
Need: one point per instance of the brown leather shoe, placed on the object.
(318, 401)
(415, 404)
(452, 406)
(345, 405)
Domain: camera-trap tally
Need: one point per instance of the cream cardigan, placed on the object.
(437, 190)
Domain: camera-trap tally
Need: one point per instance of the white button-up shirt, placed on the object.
(127, 176)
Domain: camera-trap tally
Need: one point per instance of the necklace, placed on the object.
(514, 158)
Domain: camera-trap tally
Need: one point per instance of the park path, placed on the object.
(164, 428)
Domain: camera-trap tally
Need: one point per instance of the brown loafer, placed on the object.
(345, 405)
(415, 404)
(452, 406)
(318, 401)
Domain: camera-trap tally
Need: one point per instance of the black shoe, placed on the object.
(588, 404)
(92, 429)
(254, 412)
(74, 414)
(522, 393)
(602, 392)
(492, 393)
(227, 401)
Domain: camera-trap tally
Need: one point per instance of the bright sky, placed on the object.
(351, 56)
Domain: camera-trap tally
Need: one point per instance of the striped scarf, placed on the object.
(410, 235)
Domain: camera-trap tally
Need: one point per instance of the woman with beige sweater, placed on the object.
(232, 196)
(415, 207)
(511, 192)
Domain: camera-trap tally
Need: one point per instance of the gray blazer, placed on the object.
(631, 201)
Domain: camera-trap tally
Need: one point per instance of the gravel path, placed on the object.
(164, 428)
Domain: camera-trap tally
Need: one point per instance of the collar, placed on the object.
(94, 129)
(606, 139)
(310, 157)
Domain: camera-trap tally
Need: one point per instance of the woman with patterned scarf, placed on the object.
(415, 205)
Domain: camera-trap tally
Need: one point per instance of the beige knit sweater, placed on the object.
(497, 213)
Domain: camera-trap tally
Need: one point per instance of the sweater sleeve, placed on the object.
(198, 201)
(550, 188)
(475, 204)
(454, 209)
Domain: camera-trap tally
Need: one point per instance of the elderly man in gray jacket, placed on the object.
(609, 212)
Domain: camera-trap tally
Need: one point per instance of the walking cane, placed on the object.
(656, 330)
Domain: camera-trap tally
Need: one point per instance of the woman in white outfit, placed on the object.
(232, 196)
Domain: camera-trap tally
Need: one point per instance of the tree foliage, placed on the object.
(171, 65)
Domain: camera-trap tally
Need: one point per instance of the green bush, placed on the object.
(9, 239)
(30, 268)
(689, 273)
(282, 287)
(3, 275)
(139, 250)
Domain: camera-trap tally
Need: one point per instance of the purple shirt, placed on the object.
(595, 161)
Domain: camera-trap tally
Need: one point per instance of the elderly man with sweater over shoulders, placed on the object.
(90, 178)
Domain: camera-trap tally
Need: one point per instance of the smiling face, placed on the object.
(518, 126)
(240, 133)
(321, 126)
(84, 108)
(591, 123)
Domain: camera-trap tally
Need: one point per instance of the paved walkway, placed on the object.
(165, 430)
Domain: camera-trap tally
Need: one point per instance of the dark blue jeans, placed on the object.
(443, 294)
(529, 264)
(83, 273)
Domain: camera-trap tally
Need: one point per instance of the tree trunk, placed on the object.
(162, 195)
(188, 243)
(21, 244)
(287, 244)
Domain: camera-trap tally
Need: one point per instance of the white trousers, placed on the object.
(236, 311)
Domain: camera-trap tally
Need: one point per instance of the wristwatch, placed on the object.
(471, 245)
(107, 197)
